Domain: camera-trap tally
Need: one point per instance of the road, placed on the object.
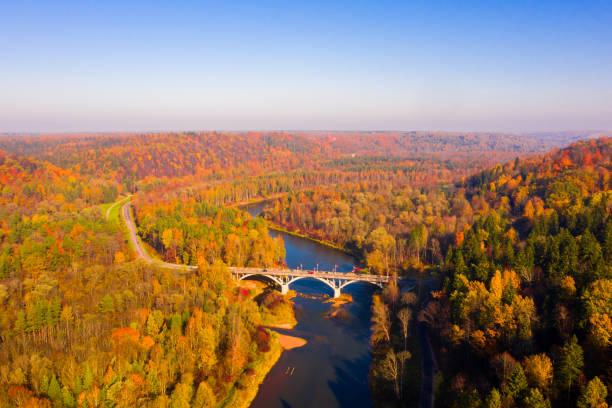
(428, 369)
(139, 248)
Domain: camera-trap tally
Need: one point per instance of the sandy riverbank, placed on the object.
(290, 342)
(343, 299)
(286, 326)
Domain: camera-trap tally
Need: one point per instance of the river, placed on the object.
(331, 370)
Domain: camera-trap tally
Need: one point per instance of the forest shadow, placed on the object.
(348, 390)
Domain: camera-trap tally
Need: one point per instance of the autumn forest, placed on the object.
(498, 249)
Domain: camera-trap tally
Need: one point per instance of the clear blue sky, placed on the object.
(456, 65)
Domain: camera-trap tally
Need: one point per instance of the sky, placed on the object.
(513, 66)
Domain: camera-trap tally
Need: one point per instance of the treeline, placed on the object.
(138, 336)
(129, 158)
(436, 144)
(133, 157)
(352, 171)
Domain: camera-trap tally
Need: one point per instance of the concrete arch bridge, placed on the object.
(284, 277)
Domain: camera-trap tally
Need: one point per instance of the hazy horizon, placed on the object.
(603, 132)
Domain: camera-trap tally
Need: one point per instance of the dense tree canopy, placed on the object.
(522, 252)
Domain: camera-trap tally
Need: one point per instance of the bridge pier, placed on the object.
(284, 288)
(336, 293)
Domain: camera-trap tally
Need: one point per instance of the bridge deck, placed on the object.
(312, 274)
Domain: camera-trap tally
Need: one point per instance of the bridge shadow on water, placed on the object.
(350, 386)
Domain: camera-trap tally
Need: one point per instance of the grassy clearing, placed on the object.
(105, 207)
(112, 211)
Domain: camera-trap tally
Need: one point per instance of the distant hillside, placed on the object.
(568, 137)
(137, 156)
(559, 177)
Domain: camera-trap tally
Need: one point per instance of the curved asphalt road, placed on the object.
(139, 248)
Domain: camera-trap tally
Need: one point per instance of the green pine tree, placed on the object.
(78, 385)
(107, 305)
(5, 266)
(516, 383)
(493, 400)
(570, 364)
(55, 309)
(40, 312)
(30, 320)
(591, 258)
(535, 399)
(460, 267)
(508, 257)
(68, 398)
(88, 378)
(54, 391)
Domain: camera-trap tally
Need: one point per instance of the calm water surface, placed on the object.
(331, 369)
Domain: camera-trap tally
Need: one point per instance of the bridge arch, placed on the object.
(357, 280)
(325, 281)
(271, 277)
